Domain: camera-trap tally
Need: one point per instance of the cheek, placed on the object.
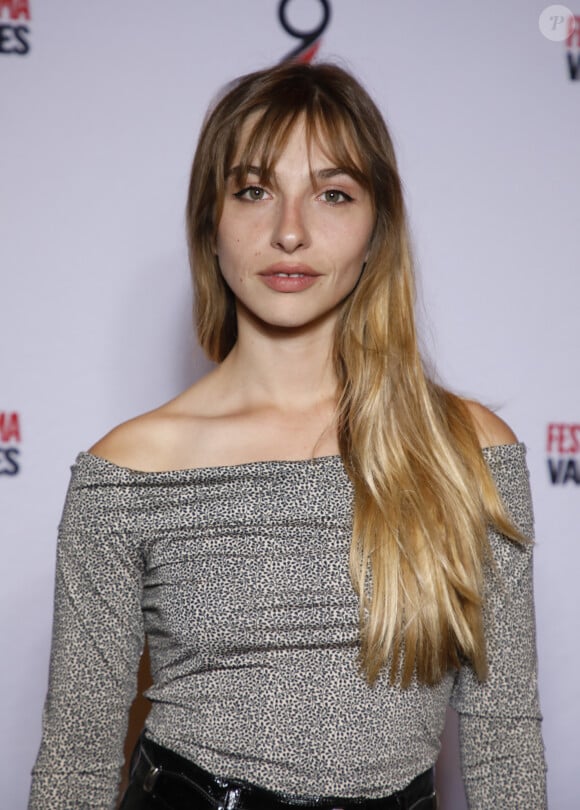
(226, 252)
(358, 247)
(231, 236)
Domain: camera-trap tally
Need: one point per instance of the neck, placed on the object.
(285, 368)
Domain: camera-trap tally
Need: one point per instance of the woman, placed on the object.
(287, 669)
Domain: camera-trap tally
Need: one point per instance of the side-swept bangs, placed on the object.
(325, 125)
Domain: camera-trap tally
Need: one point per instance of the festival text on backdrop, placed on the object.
(309, 40)
(10, 438)
(14, 33)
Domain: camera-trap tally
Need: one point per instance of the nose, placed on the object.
(290, 230)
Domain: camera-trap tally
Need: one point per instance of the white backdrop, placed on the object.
(99, 122)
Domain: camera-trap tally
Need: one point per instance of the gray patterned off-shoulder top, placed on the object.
(239, 578)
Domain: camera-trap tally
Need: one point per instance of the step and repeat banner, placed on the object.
(102, 102)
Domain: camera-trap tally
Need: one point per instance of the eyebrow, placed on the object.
(236, 170)
(326, 174)
(321, 174)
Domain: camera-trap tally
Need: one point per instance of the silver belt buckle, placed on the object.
(150, 779)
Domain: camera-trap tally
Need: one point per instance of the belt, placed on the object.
(178, 783)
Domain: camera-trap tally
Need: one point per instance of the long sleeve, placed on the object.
(96, 645)
(502, 751)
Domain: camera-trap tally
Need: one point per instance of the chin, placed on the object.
(299, 322)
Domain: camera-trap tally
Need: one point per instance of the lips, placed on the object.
(289, 278)
(289, 270)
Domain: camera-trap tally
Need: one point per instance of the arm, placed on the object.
(499, 720)
(97, 642)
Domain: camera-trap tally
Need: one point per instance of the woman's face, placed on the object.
(293, 249)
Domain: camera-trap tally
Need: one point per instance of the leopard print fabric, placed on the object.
(239, 578)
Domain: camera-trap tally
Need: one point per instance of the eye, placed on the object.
(251, 194)
(335, 197)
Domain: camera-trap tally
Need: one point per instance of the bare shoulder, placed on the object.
(490, 428)
(160, 440)
(142, 443)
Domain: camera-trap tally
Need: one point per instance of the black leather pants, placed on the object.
(163, 780)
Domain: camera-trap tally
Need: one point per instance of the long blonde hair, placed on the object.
(423, 495)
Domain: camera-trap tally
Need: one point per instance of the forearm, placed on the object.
(503, 763)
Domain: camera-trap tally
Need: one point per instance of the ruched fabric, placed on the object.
(239, 577)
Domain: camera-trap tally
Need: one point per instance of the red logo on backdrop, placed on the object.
(14, 33)
(10, 438)
(309, 40)
(572, 43)
(563, 447)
